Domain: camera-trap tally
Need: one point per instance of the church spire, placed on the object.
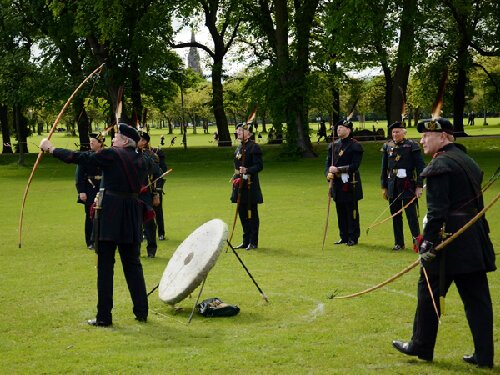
(194, 56)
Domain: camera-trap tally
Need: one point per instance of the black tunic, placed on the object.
(248, 155)
(347, 156)
(123, 171)
(402, 155)
(453, 183)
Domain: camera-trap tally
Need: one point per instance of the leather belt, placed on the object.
(121, 194)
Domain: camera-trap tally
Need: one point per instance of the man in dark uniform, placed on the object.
(402, 163)
(88, 180)
(246, 188)
(322, 131)
(341, 167)
(160, 189)
(453, 197)
(120, 218)
(150, 195)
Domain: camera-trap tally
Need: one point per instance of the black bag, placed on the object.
(214, 307)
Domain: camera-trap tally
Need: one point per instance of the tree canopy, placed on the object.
(299, 60)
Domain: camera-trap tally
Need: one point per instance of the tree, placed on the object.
(476, 27)
(222, 19)
(134, 35)
(382, 32)
(286, 30)
(17, 73)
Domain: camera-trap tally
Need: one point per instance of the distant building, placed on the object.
(194, 57)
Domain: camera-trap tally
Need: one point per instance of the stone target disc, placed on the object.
(192, 261)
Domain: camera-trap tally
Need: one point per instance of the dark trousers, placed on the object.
(150, 234)
(88, 225)
(397, 221)
(159, 217)
(132, 269)
(475, 294)
(348, 220)
(250, 225)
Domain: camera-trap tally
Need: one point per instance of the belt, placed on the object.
(395, 171)
(471, 212)
(121, 194)
(95, 177)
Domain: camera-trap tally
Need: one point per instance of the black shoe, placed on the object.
(398, 247)
(141, 319)
(90, 247)
(251, 247)
(340, 242)
(352, 243)
(161, 237)
(408, 349)
(472, 359)
(151, 255)
(241, 246)
(99, 323)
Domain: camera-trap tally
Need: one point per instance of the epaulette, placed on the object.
(387, 144)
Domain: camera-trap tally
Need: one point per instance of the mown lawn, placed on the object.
(47, 288)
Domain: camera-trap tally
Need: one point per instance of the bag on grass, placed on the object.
(214, 307)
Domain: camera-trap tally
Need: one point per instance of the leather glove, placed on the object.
(236, 182)
(427, 251)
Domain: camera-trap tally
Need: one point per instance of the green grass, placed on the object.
(47, 288)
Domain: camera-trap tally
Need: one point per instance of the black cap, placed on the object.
(437, 125)
(100, 138)
(128, 132)
(344, 123)
(395, 125)
(145, 136)
(246, 126)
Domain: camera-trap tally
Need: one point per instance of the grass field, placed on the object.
(48, 286)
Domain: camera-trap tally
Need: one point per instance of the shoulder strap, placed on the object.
(121, 155)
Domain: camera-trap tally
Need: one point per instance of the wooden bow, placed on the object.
(40, 153)
(441, 246)
(330, 187)
(394, 214)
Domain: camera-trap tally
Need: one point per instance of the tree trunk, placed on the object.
(218, 101)
(22, 131)
(463, 59)
(83, 123)
(4, 122)
(137, 107)
(111, 78)
(388, 91)
(405, 53)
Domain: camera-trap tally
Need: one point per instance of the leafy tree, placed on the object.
(284, 28)
(475, 28)
(382, 32)
(17, 73)
(222, 19)
(130, 37)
